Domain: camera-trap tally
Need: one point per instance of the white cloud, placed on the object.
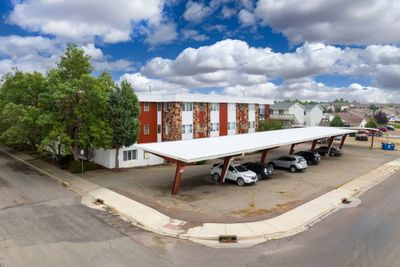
(196, 11)
(246, 17)
(334, 22)
(161, 33)
(233, 65)
(141, 84)
(112, 21)
(189, 34)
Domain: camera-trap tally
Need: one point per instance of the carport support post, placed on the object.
(372, 140)
(342, 141)
(314, 144)
(178, 174)
(292, 149)
(264, 156)
(227, 162)
(330, 144)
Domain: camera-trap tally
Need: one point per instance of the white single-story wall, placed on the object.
(298, 111)
(106, 158)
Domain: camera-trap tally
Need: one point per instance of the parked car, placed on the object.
(312, 158)
(236, 173)
(382, 129)
(323, 150)
(322, 141)
(361, 137)
(378, 133)
(292, 162)
(390, 127)
(262, 170)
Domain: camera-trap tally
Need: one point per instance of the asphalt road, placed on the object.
(43, 224)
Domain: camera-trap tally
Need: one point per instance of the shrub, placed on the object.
(269, 125)
(75, 166)
(371, 123)
(337, 122)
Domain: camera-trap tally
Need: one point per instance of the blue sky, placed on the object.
(315, 50)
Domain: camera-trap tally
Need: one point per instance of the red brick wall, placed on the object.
(148, 118)
(223, 119)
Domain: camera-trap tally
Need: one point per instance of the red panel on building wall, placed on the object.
(266, 112)
(223, 119)
(148, 118)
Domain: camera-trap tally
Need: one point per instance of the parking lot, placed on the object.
(201, 199)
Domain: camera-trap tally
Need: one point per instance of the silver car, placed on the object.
(292, 162)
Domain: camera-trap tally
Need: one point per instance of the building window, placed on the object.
(159, 128)
(187, 128)
(214, 106)
(252, 124)
(262, 109)
(252, 107)
(231, 125)
(146, 155)
(130, 155)
(146, 129)
(166, 130)
(159, 105)
(166, 107)
(214, 127)
(187, 106)
(281, 112)
(146, 106)
(305, 113)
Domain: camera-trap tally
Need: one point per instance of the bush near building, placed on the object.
(371, 123)
(269, 125)
(336, 122)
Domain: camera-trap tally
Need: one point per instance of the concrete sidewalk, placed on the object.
(248, 234)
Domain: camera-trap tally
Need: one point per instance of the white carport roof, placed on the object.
(194, 150)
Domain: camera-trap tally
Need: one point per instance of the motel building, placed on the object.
(166, 118)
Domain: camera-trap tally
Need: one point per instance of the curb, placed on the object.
(248, 234)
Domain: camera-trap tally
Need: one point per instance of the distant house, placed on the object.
(350, 119)
(289, 113)
(313, 115)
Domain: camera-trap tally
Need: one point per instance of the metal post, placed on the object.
(372, 140)
(342, 141)
(330, 142)
(314, 144)
(264, 156)
(292, 149)
(82, 153)
(178, 174)
(227, 162)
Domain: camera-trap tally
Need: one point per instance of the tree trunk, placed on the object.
(117, 158)
(75, 152)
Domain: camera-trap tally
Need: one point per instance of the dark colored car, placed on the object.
(382, 129)
(311, 157)
(361, 137)
(262, 170)
(323, 150)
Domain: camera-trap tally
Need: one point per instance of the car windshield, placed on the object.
(240, 168)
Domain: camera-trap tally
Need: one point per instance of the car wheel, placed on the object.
(272, 165)
(259, 177)
(293, 169)
(240, 182)
(216, 177)
(309, 162)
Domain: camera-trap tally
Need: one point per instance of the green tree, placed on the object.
(22, 117)
(269, 125)
(371, 123)
(78, 102)
(337, 122)
(124, 113)
(381, 117)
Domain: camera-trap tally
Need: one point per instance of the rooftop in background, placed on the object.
(284, 105)
(202, 98)
(352, 118)
(195, 150)
(311, 106)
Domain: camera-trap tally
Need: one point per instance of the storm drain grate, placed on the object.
(227, 238)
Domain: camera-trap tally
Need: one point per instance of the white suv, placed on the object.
(236, 172)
